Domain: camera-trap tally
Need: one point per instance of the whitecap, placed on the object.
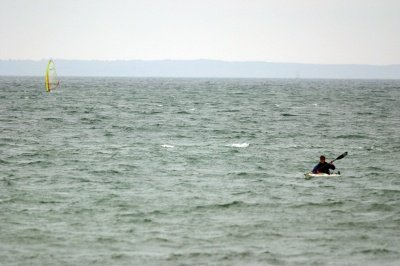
(167, 146)
(240, 145)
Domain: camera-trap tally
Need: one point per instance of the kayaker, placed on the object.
(323, 167)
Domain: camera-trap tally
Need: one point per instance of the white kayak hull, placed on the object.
(311, 175)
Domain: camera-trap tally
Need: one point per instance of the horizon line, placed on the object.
(203, 59)
(200, 77)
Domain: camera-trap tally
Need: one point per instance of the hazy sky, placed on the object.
(305, 31)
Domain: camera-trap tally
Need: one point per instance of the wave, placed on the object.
(55, 119)
(319, 204)
(242, 174)
(235, 203)
(168, 146)
(154, 112)
(3, 162)
(106, 172)
(230, 255)
(377, 251)
(158, 240)
(7, 182)
(124, 128)
(183, 113)
(90, 121)
(239, 145)
(365, 113)
(36, 162)
(229, 111)
(243, 192)
(380, 207)
(351, 136)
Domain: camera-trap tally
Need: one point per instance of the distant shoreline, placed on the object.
(206, 78)
(201, 68)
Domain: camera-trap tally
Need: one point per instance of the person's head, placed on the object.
(322, 159)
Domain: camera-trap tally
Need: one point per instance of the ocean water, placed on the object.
(151, 171)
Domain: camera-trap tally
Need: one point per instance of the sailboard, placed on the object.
(51, 79)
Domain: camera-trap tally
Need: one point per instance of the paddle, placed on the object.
(338, 158)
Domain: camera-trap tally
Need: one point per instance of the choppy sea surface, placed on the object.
(131, 171)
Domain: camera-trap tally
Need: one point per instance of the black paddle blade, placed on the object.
(341, 156)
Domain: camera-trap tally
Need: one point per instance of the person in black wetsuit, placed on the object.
(323, 167)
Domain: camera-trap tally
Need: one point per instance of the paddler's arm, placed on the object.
(315, 170)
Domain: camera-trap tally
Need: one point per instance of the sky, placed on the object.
(292, 31)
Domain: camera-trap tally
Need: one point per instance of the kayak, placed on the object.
(311, 175)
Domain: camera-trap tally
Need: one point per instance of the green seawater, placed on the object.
(131, 171)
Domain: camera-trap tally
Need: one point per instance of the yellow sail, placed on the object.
(51, 79)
